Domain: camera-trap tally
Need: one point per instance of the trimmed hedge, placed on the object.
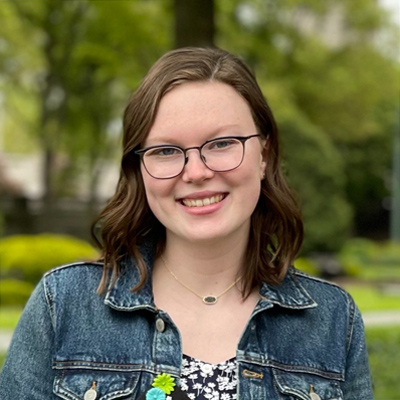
(28, 257)
(14, 292)
(359, 252)
(307, 265)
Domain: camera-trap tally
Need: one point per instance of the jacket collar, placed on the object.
(121, 297)
(289, 294)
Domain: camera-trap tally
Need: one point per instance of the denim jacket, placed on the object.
(303, 332)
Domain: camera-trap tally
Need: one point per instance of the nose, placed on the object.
(195, 169)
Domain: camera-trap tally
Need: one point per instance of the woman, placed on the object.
(197, 296)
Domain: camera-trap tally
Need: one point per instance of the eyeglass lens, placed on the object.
(218, 155)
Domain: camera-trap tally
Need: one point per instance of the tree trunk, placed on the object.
(194, 23)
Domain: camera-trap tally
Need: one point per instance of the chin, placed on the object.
(211, 236)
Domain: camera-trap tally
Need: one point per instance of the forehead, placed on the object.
(199, 111)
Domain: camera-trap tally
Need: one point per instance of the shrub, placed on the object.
(388, 253)
(14, 292)
(358, 253)
(306, 265)
(28, 257)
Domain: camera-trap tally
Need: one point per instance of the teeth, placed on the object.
(202, 202)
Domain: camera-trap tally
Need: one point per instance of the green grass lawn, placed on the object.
(373, 298)
(384, 349)
(383, 342)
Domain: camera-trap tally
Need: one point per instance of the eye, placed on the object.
(223, 144)
(163, 152)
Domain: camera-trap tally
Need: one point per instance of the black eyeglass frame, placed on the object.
(242, 139)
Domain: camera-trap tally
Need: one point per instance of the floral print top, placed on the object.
(204, 381)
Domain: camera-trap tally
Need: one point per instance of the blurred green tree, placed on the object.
(327, 68)
(194, 23)
(331, 73)
(86, 55)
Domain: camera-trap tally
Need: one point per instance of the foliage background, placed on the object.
(329, 69)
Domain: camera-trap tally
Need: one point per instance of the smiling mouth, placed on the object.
(203, 202)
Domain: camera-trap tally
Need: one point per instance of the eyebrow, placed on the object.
(168, 140)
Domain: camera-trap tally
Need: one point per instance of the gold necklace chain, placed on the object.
(209, 299)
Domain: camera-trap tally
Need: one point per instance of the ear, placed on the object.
(263, 167)
(264, 157)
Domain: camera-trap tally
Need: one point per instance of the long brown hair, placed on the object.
(127, 222)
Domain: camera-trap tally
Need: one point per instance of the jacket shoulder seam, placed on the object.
(74, 265)
(50, 302)
(347, 297)
(316, 279)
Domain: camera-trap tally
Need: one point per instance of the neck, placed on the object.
(205, 267)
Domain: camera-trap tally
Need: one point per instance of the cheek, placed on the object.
(157, 193)
(252, 169)
(249, 183)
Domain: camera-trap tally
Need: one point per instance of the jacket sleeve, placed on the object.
(357, 385)
(27, 372)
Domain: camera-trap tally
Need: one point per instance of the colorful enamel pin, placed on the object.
(163, 388)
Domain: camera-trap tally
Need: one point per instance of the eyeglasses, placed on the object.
(219, 155)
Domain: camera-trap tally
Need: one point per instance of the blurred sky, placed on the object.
(394, 6)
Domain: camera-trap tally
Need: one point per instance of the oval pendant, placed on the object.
(209, 300)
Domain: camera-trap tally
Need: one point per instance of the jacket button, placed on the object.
(160, 325)
(90, 394)
(313, 395)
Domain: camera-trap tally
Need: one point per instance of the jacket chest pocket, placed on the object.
(80, 384)
(301, 386)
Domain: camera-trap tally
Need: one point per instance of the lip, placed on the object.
(205, 209)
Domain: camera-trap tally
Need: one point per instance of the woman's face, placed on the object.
(199, 204)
